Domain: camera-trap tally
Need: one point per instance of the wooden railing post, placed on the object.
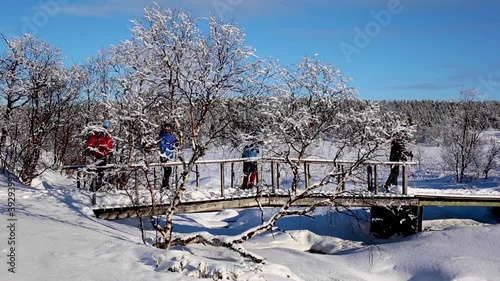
(369, 177)
(338, 174)
(197, 176)
(136, 175)
(343, 178)
(258, 186)
(273, 182)
(222, 179)
(259, 174)
(278, 180)
(176, 176)
(405, 180)
(93, 188)
(78, 178)
(232, 175)
(154, 177)
(306, 176)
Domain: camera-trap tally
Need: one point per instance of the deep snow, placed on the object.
(57, 238)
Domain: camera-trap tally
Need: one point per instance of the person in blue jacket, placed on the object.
(249, 167)
(168, 144)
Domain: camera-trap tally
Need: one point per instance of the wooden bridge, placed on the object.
(275, 169)
(272, 200)
(274, 196)
(387, 210)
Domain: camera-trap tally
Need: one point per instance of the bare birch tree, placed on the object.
(171, 71)
(489, 159)
(34, 80)
(11, 85)
(461, 141)
(306, 106)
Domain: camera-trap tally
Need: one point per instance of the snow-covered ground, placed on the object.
(57, 238)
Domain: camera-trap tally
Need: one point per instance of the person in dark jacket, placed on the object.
(398, 153)
(100, 145)
(168, 144)
(250, 175)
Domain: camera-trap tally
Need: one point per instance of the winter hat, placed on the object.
(167, 125)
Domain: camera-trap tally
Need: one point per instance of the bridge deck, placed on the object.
(270, 200)
(458, 200)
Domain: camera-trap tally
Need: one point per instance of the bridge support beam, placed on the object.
(387, 221)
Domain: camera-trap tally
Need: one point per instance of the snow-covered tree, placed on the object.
(67, 120)
(308, 103)
(461, 141)
(11, 92)
(172, 71)
(304, 107)
(98, 83)
(489, 158)
(35, 81)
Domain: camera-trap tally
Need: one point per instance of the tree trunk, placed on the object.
(31, 160)
(6, 120)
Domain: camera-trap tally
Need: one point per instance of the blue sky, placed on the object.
(393, 49)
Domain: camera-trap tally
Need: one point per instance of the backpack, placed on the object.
(99, 144)
(167, 144)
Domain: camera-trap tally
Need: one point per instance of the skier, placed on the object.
(250, 176)
(398, 153)
(167, 144)
(100, 146)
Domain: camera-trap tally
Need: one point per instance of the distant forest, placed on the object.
(431, 117)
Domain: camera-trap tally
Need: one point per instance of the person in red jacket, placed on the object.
(100, 145)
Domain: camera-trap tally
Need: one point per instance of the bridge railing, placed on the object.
(372, 171)
(275, 168)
